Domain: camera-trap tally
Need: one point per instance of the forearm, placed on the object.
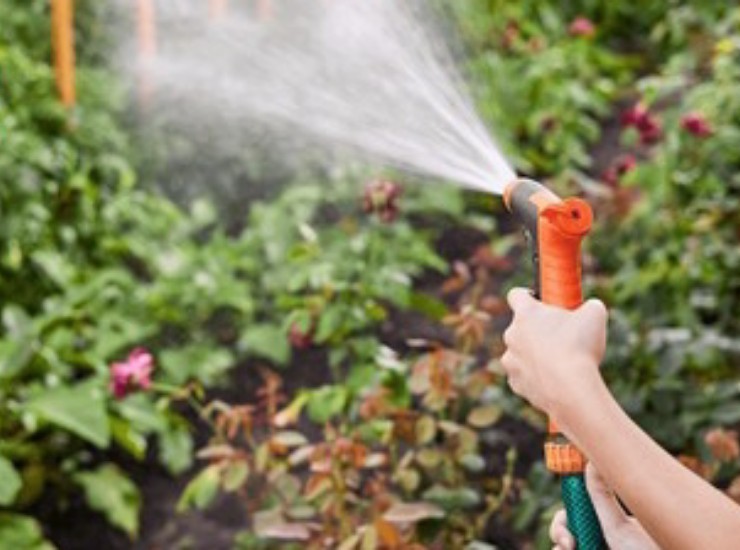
(677, 508)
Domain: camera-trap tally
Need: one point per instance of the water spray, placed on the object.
(555, 229)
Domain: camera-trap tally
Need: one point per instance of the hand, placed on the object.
(553, 355)
(621, 531)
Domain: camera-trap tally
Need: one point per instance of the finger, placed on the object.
(559, 533)
(508, 336)
(610, 513)
(595, 310)
(519, 299)
(515, 384)
(507, 362)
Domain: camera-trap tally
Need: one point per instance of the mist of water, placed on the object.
(374, 77)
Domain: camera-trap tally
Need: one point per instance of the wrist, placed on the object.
(580, 399)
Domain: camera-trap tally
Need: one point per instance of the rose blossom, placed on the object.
(133, 374)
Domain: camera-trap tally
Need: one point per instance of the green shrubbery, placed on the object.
(95, 265)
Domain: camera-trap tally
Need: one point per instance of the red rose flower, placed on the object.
(695, 124)
(647, 124)
(621, 166)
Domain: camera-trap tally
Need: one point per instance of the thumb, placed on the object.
(607, 508)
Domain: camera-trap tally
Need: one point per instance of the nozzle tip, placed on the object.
(508, 191)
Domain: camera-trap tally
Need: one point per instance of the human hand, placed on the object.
(621, 531)
(553, 355)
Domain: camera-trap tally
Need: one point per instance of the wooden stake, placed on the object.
(147, 35)
(63, 38)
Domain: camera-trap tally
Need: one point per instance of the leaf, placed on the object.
(235, 474)
(370, 539)
(351, 542)
(197, 362)
(289, 439)
(408, 479)
(79, 409)
(388, 534)
(127, 437)
(110, 492)
(201, 490)
(56, 266)
(21, 532)
(19, 344)
(326, 402)
(10, 483)
(142, 413)
(269, 341)
(429, 458)
(329, 322)
(412, 512)
(285, 531)
(452, 499)
(473, 462)
(426, 430)
(176, 448)
(482, 417)
(375, 460)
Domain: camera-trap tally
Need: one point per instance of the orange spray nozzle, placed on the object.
(556, 228)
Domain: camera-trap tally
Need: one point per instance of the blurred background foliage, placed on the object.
(634, 106)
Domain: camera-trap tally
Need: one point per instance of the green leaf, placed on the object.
(79, 409)
(11, 482)
(56, 266)
(329, 322)
(326, 402)
(452, 499)
(142, 413)
(428, 305)
(21, 532)
(484, 416)
(197, 362)
(110, 492)
(176, 448)
(201, 490)
(127, 437)
(269, 341)
(235, 475)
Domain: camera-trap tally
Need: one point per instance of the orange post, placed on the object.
(63, 37)
(217, 8)
(147, 36)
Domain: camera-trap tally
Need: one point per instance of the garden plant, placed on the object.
(323, 360)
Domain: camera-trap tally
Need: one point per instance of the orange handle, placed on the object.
(561, 229)
(557, 228)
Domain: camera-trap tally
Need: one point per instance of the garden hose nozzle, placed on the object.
(555, 228)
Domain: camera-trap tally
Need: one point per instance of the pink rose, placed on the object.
(133, 374)
(582, 26)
